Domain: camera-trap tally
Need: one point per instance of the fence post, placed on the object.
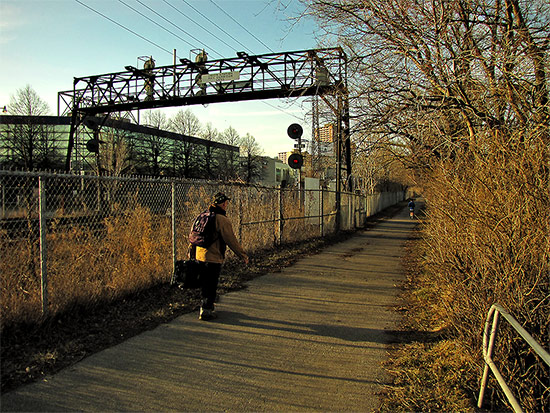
(363, 210)
(321, 212)
(357, 209)
(281, 223)
(174, 246)
(351, 210)
(240, 229)
(43, 246)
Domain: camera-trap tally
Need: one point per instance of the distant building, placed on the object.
(277, 173)
(120, 147)
(325, 134)
(283, 156)
(323, 141)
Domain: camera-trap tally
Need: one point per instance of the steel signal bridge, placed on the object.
(278, 75)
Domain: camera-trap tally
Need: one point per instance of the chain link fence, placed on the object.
(68, 239)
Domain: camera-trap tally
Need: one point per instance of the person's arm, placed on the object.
(227, 234)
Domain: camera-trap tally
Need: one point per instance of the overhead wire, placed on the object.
(281, 110)
(124, 27)
(244, 28)
(152, 21)
(228, 15)
(179, 37)
(177, 27)
(197, 24)
(217, 26)
(160, 25)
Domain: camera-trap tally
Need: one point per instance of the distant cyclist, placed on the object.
(411, 208)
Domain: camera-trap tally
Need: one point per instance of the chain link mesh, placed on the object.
(104, 237)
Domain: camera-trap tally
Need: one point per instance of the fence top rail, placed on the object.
(544, 355)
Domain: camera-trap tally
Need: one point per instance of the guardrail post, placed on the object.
(488, 347)
(488, 353)
(43, 245)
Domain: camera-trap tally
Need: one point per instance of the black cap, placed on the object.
(220, 198)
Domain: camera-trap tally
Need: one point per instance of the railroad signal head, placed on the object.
(295, 161)
(93, 145)
(295, 131)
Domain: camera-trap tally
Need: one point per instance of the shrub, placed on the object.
(487, 242)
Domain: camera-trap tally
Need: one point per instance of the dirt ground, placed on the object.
(29, 352)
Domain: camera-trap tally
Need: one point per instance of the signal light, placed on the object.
(295, 131)
(93, 145)
(295, 161)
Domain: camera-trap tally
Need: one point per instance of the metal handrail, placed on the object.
(488, 346)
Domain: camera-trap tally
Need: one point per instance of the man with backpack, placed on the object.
(210, 234)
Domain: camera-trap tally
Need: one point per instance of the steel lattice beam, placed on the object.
(245, 77)
(278, 75)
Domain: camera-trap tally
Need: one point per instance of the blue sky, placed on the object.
(45, 43)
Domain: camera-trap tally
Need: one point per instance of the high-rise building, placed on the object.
(323, 143)
(325, 134)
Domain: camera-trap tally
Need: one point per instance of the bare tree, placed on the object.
(460, 90)
(185, 158)
(31, 143)
(115, 153)
(480, 63)
(156, 148)
(26, 102)
(251, 153)
(229, 160)
(210, 163)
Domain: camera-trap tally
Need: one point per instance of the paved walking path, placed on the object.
(310, 338)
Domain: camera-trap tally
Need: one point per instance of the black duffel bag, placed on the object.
(187, 273)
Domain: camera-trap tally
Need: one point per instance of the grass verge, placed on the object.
(431, 370)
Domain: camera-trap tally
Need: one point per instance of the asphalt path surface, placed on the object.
(310, 338)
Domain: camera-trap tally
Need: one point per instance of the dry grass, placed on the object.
(85, 266)
(432, 371)
(29, 353)
(128, 251)
(428, 377)
(486, 241)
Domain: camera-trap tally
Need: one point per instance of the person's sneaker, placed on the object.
(207, 315)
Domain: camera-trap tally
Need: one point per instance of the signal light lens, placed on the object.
(295, 131)
(295, 161)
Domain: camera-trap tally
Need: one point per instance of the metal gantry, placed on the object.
(244, 77)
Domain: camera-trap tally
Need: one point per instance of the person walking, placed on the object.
(211, 255)
(411, 206)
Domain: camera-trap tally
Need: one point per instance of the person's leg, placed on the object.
(209, 283)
